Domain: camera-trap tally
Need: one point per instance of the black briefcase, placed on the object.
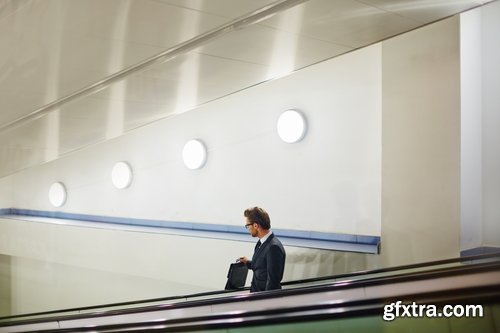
(237, 276)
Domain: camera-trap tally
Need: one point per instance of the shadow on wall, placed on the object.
(311, 263)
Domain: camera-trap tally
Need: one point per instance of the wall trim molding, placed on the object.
(297, 238)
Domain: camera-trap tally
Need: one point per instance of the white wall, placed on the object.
(480, 123)
(382, 155)
(421, 145)
(491, 124)
(6, 192)
(329, 182)
(471, 129)
(56, 266)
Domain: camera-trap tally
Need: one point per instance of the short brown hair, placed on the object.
(259, 216)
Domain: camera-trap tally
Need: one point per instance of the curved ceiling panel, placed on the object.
(73, 73)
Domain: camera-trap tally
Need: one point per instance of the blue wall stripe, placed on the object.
(5, 211)
(479, 250)
(301, 238)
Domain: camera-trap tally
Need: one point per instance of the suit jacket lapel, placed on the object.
(262, 246)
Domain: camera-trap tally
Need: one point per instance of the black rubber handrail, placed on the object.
(375, 281)
(346, 309)
(288, 283)
(343, 309)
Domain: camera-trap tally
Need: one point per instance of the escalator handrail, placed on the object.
(375, 281)
(342, 309)
(286, 283)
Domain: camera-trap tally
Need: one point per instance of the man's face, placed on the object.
(252, 227)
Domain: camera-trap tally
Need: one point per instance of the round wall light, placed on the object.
(57, 194)
(121, 175)
(291, 126)
(194, 154)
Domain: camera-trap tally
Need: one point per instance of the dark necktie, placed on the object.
(257, 245)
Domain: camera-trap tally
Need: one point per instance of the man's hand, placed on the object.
(243, 260)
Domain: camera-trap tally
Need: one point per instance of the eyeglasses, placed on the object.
(248, 225)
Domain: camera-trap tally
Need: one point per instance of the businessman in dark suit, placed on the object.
(268, 261)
